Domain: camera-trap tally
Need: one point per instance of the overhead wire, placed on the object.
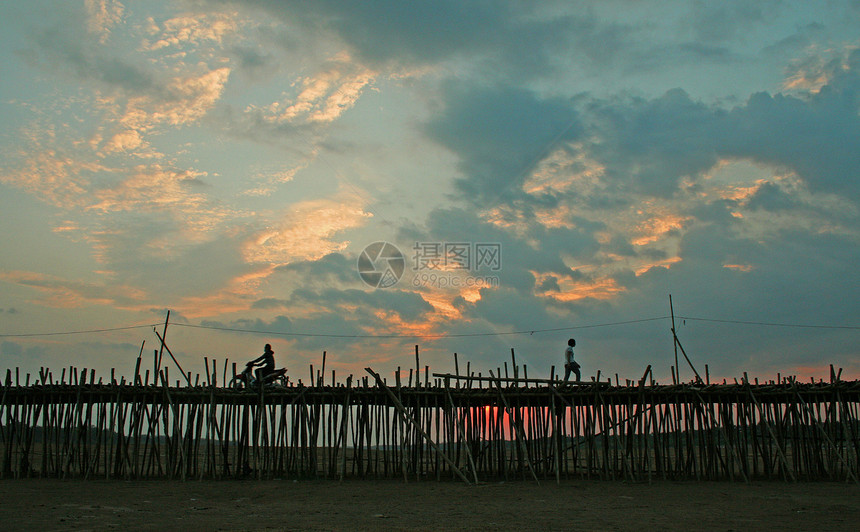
(85, 331)
(769, 324)
(439, 335)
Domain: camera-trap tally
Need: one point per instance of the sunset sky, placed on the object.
(545, 169)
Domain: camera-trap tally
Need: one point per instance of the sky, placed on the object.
(470, 177)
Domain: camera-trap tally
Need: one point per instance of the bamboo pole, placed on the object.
(461, 432)
(772, 435)
(520, 436)
(826, 437)
(406, 417)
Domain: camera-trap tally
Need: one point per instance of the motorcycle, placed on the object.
(248, 378)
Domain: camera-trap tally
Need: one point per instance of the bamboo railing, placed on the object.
(472, 428)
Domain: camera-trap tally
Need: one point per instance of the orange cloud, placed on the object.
(655, 227)
(665, 263)
(188, 99)
(739, 267)
(102, 16)
(442, 303)
(561, 171)
(237, 296)
(53, 177)
(64, 293)
(571, 289)
(150, 187)
(738, 193)
(326, 96)
(558, 217)
(395, 324)
(191, 29)
(306, 232)
(269, 181)
(126, 140)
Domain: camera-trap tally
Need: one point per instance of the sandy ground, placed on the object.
(395, 505)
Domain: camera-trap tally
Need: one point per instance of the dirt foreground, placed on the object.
(428, 505)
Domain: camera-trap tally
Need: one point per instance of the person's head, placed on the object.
(269, 348)
(571, 342)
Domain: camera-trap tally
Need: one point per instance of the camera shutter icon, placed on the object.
(381, 264)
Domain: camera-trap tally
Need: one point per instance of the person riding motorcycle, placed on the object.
(266, 363)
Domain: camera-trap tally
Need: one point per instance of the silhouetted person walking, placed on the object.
(570, 365)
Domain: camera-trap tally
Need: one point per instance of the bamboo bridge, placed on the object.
(471, 428)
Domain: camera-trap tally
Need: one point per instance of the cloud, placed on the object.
(323, 97)
(500, 134)
(68, 293)
(651, 148)
(409, 306)
(269, 303)
(662, 193)
(184, 100)
(306, 232)
(505, 40)
(231, 289)
(815, 137)
(534, 249)
(387, 31)
(53, 176)
(254, 62)
(151, 188)
(802, 293)
(130, 213)
(72, 42)
(333, 269)
(123, 213)
(341, 319)
(135, 94)
(723, 22)
(230, 273)
(190, 29)
(104, 15)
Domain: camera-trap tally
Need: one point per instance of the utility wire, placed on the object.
(88, 331)
(769, 324)
(456, 335)
(442, 335)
